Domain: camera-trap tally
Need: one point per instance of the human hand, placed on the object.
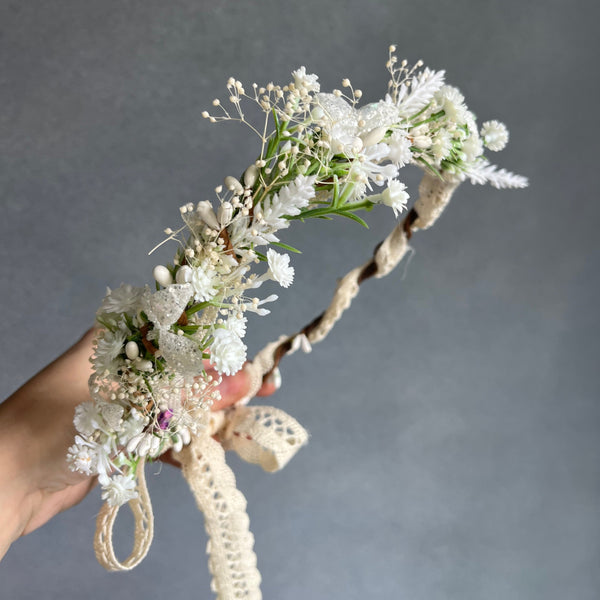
(36, 429)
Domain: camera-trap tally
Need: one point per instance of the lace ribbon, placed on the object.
(262, 435)
(144, 528)
(259, 434)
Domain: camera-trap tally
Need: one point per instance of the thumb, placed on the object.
(235, 387)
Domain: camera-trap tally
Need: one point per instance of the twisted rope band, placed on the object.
(434, 196)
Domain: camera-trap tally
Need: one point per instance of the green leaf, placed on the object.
(354, 217)
(261, 256)
(420, 112)
(315, 212)
(432, 169)
(106, 325)
(276, 119)
(336, 191)
(197, 307)
(286, 247)
(189, 328)
(433, 117)
(346, 193)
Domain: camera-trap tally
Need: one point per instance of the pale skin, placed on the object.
(36, 429)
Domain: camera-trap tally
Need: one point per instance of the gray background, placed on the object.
(454, 412)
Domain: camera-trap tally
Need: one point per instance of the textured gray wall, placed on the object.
(454, 413)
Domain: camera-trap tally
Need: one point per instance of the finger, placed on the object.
(167, 457)
(271, 384)
(233, 388)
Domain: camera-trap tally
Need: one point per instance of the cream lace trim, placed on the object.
(144, 529)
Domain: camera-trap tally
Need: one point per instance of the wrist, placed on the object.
(16, 489)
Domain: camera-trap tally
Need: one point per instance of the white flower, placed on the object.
(87, 418)
(452, 102)
(395, 196)
(495, 135)
(104, 464)
(203, 282)
(472, 147)
(82, 457)
(119, 490)
(237, 325)
(304, 80)
(132, 426)
(227, 352)
(442, 144)
(451, 93)
(253, 306)
(368, 169)
(279, 268)
(124, 299)
(400, 153)
(108, 347)
(297, 194)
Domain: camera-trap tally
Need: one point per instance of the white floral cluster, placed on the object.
(160, 355)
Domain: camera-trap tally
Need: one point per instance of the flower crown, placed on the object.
(160, 354)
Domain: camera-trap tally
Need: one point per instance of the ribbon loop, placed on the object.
(263, 435)
(144, 528)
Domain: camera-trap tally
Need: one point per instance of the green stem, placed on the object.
(348, 189)
(197, 307)
(433, 117)
(331, 210)
(366, 204)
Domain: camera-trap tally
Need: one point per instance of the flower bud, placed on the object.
(154, 445)
(373, 137)
(422, 141)
(231, 183)
(206, 212)
(134, 441)
(250, 176)
(177, 444)
(144, 445)
(185, 436)
(162, 275)
(132, 350)
(225, 214)
(183, 275)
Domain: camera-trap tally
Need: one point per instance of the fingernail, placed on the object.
(275, 378)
